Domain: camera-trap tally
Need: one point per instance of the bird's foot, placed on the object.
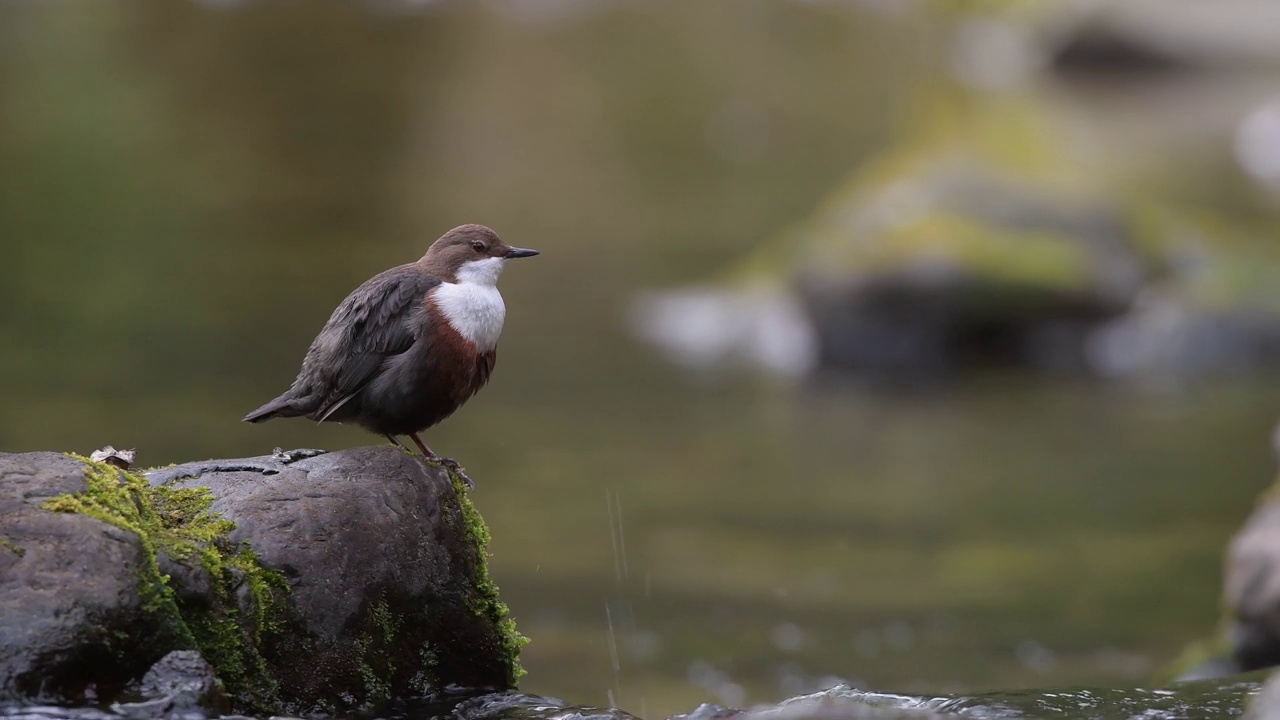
(453, 467)
(448, 463)
(284, 457)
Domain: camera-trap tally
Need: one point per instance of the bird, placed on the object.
(407, 348)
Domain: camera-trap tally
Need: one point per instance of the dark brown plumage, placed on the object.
(409, 346)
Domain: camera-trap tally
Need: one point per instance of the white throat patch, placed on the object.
(473, 305)
(481, 272)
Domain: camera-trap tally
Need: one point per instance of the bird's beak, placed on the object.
(520, 252)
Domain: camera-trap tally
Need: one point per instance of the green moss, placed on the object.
(374, 659)
(11, 546)
(120, 499)
(376, 688)
(158, 467)
(486, 603)
(1014, 256)
(246, 598)
(386, 623)
(230, 634)
(427, 677)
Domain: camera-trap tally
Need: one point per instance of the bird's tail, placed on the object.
(282, 406)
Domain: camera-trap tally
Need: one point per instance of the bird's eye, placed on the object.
(477, 246)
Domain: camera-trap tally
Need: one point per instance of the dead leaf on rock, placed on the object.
(122, 459)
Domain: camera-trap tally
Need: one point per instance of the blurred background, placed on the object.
(924, 345)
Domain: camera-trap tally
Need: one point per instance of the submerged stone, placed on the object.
(182, 682)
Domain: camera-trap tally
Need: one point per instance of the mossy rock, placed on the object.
(326, 584)
(83, 608)
(984, 238)
(385, 560)
(94, 601)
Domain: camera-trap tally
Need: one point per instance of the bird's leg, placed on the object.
(426, 451)
(449, 463)
(396, 442)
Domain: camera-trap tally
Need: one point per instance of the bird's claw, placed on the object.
(453, 467)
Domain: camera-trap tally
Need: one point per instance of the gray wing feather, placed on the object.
(370, 326)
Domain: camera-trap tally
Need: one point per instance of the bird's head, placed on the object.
(471, 254)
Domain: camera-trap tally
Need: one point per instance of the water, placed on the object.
(1187, 701)
(187, 189)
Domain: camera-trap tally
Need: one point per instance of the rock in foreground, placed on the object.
(384, 559)
(75, 622)
(347, 578)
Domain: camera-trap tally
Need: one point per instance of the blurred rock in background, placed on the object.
(1022, 220)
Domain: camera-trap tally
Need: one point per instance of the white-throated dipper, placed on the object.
(409, 346)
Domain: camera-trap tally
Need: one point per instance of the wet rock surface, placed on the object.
(181, 682)
(184, 678)
(73, 621)
(839, 703)
(350, 578)
(385, 575)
